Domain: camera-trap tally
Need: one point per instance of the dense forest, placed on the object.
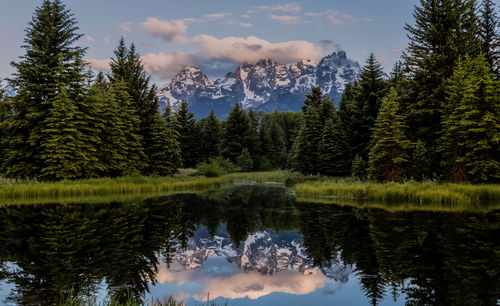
(435, 117)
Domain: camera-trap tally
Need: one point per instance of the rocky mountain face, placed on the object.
(265, 252)
(265, 85)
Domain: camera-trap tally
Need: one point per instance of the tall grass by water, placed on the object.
(11, 190)
(410, 192)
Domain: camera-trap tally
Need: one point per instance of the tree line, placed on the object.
(435, 116)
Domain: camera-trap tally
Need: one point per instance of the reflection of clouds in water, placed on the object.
(239, 284)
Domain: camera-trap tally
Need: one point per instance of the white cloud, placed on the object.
(126, 26)
(90, 38)
(286, 19)
(335, 17)
(168, 31)
(288, 7)
(107, 39)
(166, 65)
(252, 49)
(161, 65)
(245, 24)
(98, 64)
(217, 15)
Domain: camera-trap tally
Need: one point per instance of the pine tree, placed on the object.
(61, 140)
(388, 154)
(490, 39)
(370, 90)
(51, 61)
(236, 133)
(211, 132)
(277, 149)
(470, 142)
(164, 152)
(359, 167)
(443, 32)
(185, 127)
(244, 160)
(333, 150)
(131, 145)
(420, 163)
(128, 67)
(305, 154)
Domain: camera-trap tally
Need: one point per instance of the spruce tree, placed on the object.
(211, 132)
(131, 141)
(370, 89)
(388, 154)
(305, 154)
(443, 32)
(470, 142)
(277, 149)
(359, 167)
(185, 127)
(164, 152)
(333, 150)
(61, 140)
(51, 61)
(420, 163)
(236, 133)
(244, 161)
(489, 35)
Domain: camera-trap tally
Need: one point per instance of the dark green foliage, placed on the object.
(471, 138)
(130, 145)
(164, 155)
(420, 163)
(61, 140)
(210, 134)
(51, 61)
(489, 35)
(317, 110)
(368, 94)
(333, 150)
(443, 32)
(185, 127)
(244, 161)
(388, 154)
(272, 140)
(236, 134)
(216, 166)
(359, 168)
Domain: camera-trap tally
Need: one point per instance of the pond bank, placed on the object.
(312, 187)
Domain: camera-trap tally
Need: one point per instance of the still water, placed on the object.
(248, 245)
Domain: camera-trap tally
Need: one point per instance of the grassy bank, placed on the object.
(412, 193)
(12, 191)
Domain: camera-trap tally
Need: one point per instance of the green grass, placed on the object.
(92, 189)
(411, 192)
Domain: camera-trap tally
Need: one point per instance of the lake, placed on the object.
(248, 245)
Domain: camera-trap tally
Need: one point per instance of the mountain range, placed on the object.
(265, 252)
(266, 85)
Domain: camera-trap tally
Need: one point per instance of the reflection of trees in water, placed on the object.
(435, 258)
(445, 258)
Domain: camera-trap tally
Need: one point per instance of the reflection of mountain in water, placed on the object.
(265, 252)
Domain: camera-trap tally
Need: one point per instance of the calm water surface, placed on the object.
(248, 245)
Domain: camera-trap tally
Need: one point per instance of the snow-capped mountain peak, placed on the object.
(266, 85)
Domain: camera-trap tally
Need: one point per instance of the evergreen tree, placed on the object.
(387, 155)
(277, 149)
(305, 154)
(444, 31)
(236, 134)
(128, 67)
(51, 61)
(185, 127)
(420, 163)
(369, 92)
(61, 140)
(164, 152)
(131, 145)
(488, 32)
(359, 167)
(210, 136)
(349, 114)
(333, 150)
(244, 160)
(470, 142)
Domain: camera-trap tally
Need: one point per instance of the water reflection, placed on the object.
(248, 241)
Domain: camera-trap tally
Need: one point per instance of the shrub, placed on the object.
(216, 167)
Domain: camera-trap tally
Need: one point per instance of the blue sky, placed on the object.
(219, 34)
